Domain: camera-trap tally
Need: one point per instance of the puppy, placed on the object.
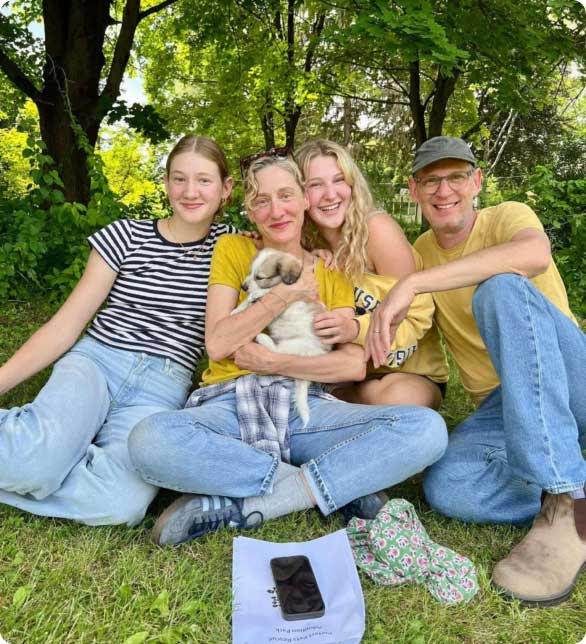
(292, 332)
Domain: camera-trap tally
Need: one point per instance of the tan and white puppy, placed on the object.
(292, 332)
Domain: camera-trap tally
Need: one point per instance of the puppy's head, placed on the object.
(270, 267)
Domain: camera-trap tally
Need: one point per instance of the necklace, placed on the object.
(190, 252)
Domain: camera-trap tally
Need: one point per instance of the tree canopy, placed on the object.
(380, 76)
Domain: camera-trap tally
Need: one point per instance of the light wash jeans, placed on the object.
(527, 435)
(345, 450)
(65, 454)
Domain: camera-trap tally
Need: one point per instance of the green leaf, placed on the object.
(137, 638)
(161, 603)
(192, 607)
(21, 595)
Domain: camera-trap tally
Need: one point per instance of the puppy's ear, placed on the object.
(290, 269)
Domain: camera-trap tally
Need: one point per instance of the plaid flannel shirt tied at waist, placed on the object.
(262, 407)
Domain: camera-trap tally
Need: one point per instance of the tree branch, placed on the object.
(121, 54)
(18, 78)
(313, 43)
(147, 12)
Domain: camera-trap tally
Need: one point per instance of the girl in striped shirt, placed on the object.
(64, 454)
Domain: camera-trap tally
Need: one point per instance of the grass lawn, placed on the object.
(65, 583)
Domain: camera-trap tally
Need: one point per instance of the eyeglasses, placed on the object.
(277, 153)
(456, 181)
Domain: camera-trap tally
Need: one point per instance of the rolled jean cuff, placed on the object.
(266, 487)
(563, 488)
(319, 489)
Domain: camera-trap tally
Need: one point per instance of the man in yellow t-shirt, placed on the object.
(503, 311)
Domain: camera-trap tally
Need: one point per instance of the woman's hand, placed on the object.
(305, 289)
(327, 257)
(333, 328)
(254, 357)
(254, 236)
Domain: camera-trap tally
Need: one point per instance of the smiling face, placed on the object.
(328, 193)
(278, 208)
(195, 188)
(450, 212)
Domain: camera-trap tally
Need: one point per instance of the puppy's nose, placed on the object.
(245, 287)
(291, 277)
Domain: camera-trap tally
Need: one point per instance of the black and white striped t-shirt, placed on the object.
(158, 301)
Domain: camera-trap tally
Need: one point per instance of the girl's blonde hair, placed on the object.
(251, 183)
(209, 150)
(351, 251)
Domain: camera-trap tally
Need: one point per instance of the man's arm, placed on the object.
(527, 253)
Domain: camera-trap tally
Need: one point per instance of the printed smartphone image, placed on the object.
(297, 588)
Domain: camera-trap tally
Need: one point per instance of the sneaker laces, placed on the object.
(227, 516)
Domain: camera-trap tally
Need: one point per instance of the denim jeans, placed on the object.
(345, 450)
(65, 454)
(527, 435)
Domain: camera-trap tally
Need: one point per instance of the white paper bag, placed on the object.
(256, 616)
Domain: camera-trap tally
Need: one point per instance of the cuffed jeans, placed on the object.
(345, 450)
(527, 435)
(65, 454)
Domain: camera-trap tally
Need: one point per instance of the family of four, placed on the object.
(111, 425)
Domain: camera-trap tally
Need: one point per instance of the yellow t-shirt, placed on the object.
(230, 265)
(453, 315)
(416, 347)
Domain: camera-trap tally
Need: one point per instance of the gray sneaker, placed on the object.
(364, 507)
(191, 516)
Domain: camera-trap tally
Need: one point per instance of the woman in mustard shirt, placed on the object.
(240, 448)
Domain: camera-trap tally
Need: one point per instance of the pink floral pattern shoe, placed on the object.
(394, 548)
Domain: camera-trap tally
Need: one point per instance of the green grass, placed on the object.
(63, 583)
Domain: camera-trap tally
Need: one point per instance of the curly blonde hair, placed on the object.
(351, 251)
(251, 183)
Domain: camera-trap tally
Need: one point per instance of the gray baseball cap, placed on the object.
(442, 147)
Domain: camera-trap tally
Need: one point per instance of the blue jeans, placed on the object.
(65, 454)
(345, 450)
(527, 435)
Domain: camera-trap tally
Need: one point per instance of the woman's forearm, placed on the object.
(340, 365)
(234, 331)
(44, 347)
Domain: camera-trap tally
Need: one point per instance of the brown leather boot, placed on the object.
(542, 569)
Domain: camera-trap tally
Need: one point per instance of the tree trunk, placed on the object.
(74, 41)
(415, 104)
(268, 129)
(444, 88)
(347, 120)
(267, 120)
(291, 120)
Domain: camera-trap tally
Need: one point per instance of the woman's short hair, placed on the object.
(251, 183)
(351, 251)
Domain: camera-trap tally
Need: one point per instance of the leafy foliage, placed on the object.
(561, 206)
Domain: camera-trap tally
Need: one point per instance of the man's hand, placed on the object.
(255, 357)
(333, 328)
(385, 320)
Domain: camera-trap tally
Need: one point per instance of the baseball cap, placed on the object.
(442, 147)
